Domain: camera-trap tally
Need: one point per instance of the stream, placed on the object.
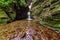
(27, 29)
(32, 34)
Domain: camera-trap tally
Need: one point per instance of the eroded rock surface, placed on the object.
(27, 30)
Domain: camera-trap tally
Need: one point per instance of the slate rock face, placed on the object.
(27, 30)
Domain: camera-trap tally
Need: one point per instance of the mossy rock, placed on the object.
(3, 17)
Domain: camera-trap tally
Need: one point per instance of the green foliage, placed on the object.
(4, 3)
(48, 11)
(7, 12)
(23, 2)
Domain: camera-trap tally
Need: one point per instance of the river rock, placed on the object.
(27, 30)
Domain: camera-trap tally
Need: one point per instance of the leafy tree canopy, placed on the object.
(4, 3)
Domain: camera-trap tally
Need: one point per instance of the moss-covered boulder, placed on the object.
(3, 17)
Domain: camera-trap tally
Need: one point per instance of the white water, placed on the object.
(29, 16)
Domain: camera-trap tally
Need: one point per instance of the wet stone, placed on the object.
(27, 30)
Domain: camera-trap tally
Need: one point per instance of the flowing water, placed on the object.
(29, 12)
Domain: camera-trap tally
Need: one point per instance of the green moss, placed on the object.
(3, 17)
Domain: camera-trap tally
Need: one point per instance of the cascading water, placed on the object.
(28, 36)
(29, 12)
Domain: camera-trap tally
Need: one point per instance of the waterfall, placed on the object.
(29, 12)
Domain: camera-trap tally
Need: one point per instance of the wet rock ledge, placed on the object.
(27, 30)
